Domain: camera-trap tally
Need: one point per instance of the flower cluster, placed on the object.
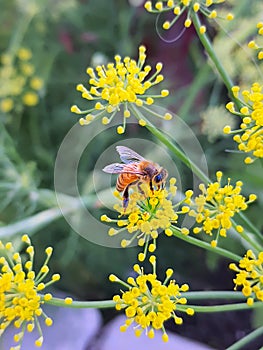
(20, 301)
(18, 84)
(122, 84)
(250, 134)
(249, 275)
(255, 45)
(179, 7)
(148, 302)
(216, 206)
(148, 214)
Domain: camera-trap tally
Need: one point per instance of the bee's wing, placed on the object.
(127, 155)
(117, 168)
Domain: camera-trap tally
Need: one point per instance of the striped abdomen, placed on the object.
(124, 180)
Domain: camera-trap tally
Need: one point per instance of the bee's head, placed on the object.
(160, 177)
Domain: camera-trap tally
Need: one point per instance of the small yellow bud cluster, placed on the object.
(178, 7)
(249, 136)
(20, 303)
(147, 215)
(255, 44)
(216, 206)
(18, 84)
(148, 302)
(249, 275)
(123, 84)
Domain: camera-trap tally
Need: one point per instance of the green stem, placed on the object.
(103, 304)
(33, 223)
(214, 295)
(170, 145)
(222, 308)
(19, 33)
(247, 339)
(211, 53)
(36, 222)
(249, 225)
(195, 87)
(205, 245)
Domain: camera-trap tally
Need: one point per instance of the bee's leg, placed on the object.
(139, 187)
(151, 185)
(125, 195)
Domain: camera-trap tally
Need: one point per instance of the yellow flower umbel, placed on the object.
(249, 275)
(147, 215)
(20, 301)
(217, 205)
(120, 86)
(179, 7)
(18, 84)
(250, 135)
(255, 45)
(148, 302)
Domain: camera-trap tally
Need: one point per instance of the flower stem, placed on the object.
(211, 53)
(205, 295)
(222, 308)
(250, 226)
(205, 245)
(247, 339)
(170, 145)
(103, 304)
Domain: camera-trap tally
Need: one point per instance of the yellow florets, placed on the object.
(215, 207)
(147, 215)
(124, 83)
(258, 44)
(18, 84)
(249, 276)
(20, 303)
(148, 303)
(250, 135)
(178, 7)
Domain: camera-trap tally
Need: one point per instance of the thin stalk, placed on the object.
(250, 226)
(205, 245)
(247, 339)
(214, 295)
(103, 304)
(175, 149)
(222, 308)
(211, 53)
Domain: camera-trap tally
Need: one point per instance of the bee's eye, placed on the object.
(158, 178)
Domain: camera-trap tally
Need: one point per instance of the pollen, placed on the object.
(149, 303)
(215, 207)
(249, 276)
(21, 305)
(250, 135)
(122, 86)
(148, 215)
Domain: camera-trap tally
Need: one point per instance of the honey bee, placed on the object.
(135, 170)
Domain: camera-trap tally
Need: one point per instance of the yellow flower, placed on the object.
(250, 135)
(20, 301)
(255, 45)
(217, 205)
(6, 105)
(249, 275)
(178, 7)
(148, 302)
(24, 54)
(17, 82)
(147, 215)
(122, 84)
(30, 99)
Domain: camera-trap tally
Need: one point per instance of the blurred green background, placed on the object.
(64, 38)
